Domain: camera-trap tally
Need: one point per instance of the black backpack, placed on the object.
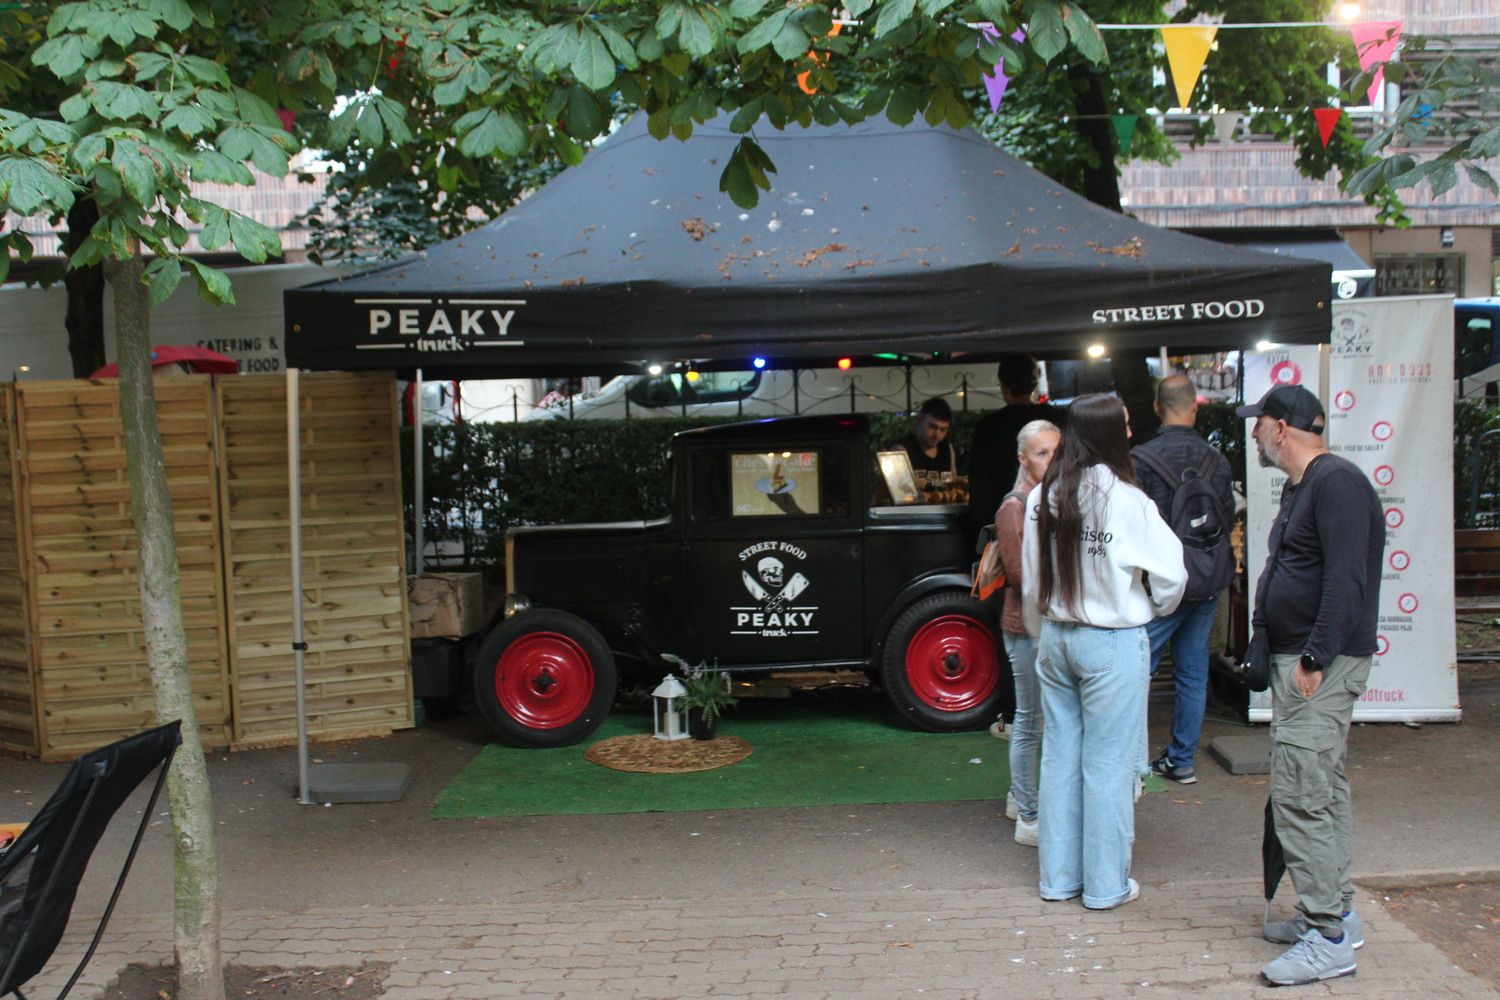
(1197, 517)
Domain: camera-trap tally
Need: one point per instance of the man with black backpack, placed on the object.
(1190, 482)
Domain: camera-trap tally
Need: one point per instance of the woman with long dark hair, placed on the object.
(1098, 563)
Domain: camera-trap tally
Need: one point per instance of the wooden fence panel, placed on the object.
(18, 726)
(92, 681)
(358, 662)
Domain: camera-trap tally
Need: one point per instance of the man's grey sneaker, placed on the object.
(1288, 931)
(1312, 959)
(1012, 810)
(1170, 771)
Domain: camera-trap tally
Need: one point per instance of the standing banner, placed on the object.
(1386, 382)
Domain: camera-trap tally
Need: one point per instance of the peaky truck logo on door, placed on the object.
(438, 324)
(771, 573)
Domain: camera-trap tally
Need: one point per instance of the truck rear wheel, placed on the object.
(943, 667)
(545, 678)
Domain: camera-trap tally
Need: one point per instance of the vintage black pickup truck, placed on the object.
(784, 550)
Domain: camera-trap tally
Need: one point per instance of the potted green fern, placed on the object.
(708, 694)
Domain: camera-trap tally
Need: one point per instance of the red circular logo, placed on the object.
(1394, 517)
(1382, 645)
(1407, 603)
(1384, 475)
(1286, 373)
(1400, 560)
(1344, 400)
(1382, 431)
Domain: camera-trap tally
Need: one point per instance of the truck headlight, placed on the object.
(515, 604)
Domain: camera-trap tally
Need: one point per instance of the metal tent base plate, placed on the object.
(372, 782)
(1243, 753)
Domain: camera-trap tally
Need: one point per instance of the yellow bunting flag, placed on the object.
(1187, 49)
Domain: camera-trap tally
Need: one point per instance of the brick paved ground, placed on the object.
(1179, 939)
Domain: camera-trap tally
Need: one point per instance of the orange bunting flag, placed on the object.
(1187, 50)
(1375, 43)
(805, 75)
(1328, 120)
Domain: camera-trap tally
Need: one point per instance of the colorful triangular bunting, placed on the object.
(1328, 120)
(1225, 122)
(996, 82)
(1187, 49)
(1375, 42)
(1124, 129)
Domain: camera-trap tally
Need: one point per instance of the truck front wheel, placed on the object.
(943, 667)
(544, 678)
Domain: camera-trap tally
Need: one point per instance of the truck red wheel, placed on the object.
(943, 667)
(951, 663)
(545, 678)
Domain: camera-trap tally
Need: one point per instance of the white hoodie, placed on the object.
(1124, 539)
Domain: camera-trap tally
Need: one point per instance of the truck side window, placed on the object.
(790, 482)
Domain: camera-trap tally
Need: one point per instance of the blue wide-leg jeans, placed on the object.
(1093, 691)
(1026, 726)
(1187, 629)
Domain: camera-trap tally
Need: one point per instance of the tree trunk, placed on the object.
(200, 969)
(85, 288)
(1101, 182)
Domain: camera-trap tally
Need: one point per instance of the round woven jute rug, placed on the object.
(649, 755)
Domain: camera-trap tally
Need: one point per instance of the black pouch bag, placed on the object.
(1256, 670)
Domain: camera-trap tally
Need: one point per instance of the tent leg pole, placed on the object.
(417, 485)
(294, 523)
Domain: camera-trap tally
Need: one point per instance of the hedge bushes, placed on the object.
(482, 478)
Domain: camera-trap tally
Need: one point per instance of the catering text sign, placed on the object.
(1388, 397)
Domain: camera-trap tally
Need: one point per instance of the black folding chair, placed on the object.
(40, 873)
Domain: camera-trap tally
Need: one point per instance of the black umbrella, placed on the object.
(1272, 858)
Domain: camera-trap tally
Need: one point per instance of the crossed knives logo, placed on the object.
(773, 572)
(774, 592)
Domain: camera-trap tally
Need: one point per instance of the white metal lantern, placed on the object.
(668, 718)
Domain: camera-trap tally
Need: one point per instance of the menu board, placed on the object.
(767, 484)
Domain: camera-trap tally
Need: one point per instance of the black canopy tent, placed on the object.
(874, 239)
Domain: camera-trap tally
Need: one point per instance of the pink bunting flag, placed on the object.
(1375, 42)
(996, 82)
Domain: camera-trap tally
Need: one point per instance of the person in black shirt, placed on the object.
(1318, 600)
(928, 446)
(992, 453)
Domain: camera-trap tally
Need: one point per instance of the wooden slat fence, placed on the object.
(358, 664)
(73, 668)
(89, 674)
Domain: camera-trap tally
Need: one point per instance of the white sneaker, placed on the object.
(1026, 833)
(999, 730)
(1012, 810)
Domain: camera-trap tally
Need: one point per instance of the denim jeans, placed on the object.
(1093, 684)
(1187, 629)
(1026, 726)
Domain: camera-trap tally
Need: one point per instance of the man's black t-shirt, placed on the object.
(1328, 542)
(992, 455)
(946, 459)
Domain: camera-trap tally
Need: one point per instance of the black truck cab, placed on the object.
(786, 549)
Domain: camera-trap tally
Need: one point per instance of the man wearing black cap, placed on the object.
(1317, 600)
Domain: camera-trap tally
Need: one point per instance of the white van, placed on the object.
(771, 393)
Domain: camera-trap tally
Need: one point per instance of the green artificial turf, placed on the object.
(830, 755)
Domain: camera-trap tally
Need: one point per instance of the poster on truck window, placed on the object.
(1386, 382)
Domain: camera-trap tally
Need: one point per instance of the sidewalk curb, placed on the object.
(1426, 879)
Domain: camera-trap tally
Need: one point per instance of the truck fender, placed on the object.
(913, 591)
